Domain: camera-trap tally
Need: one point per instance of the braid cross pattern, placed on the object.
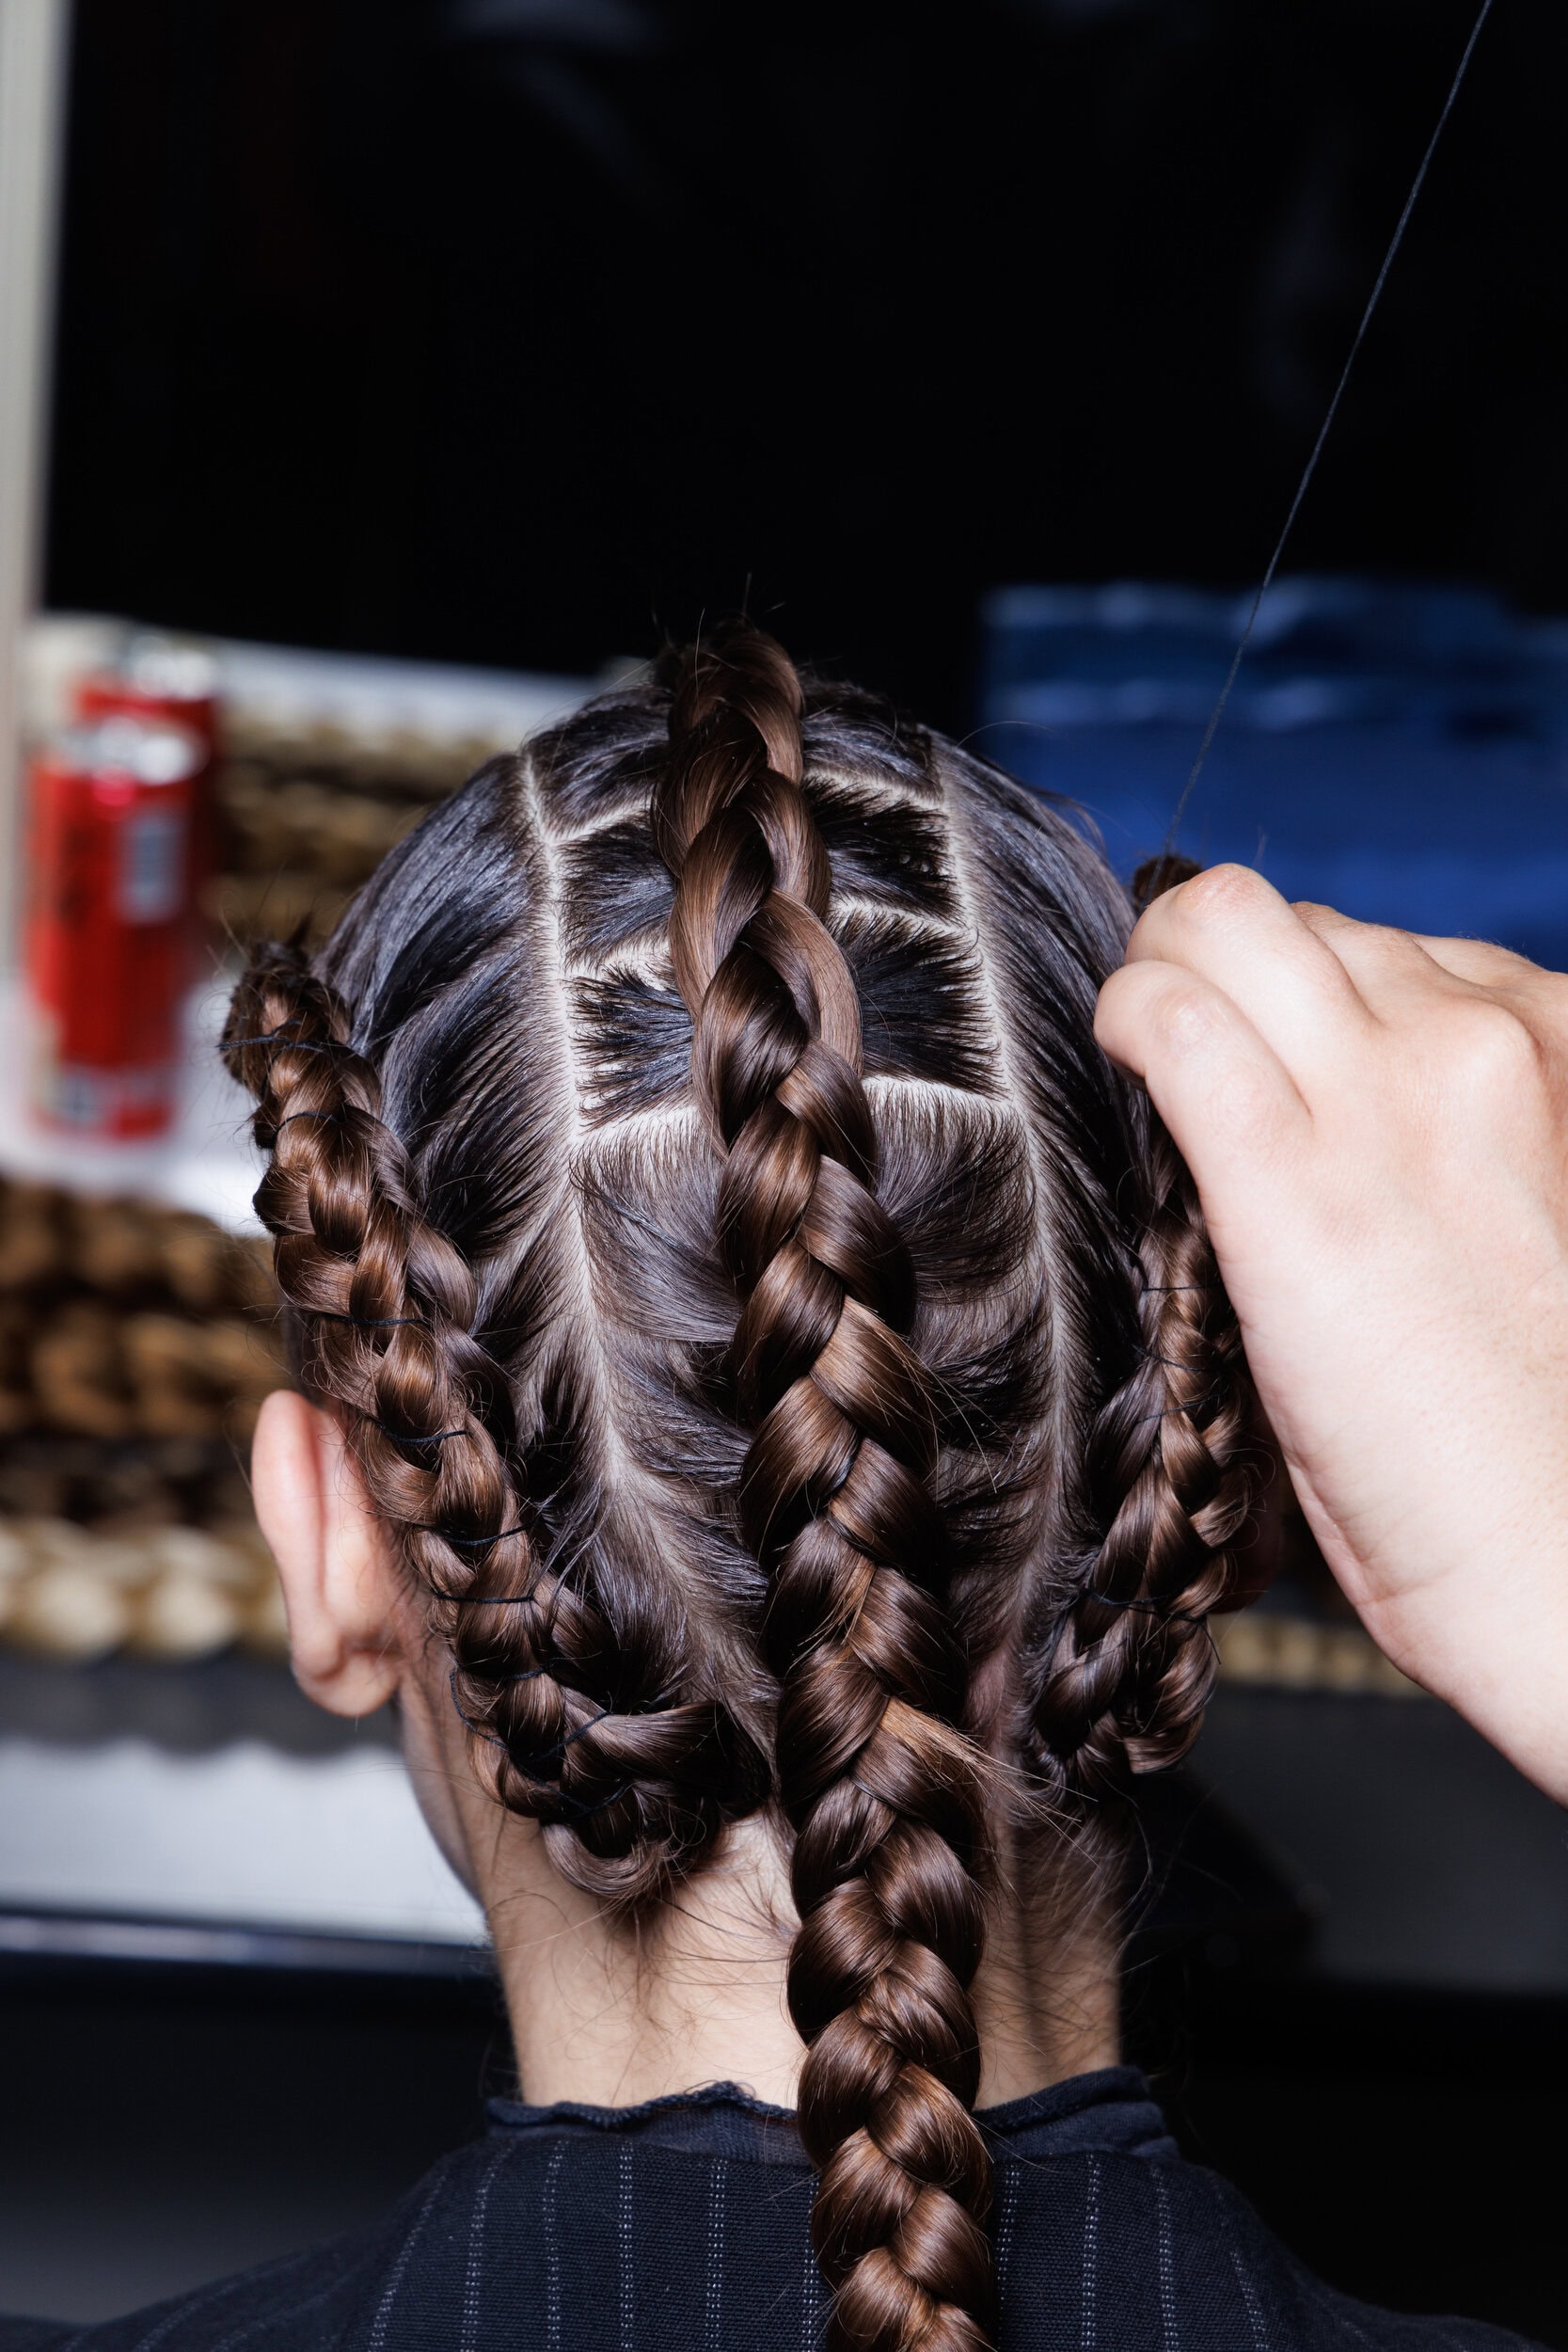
(835, 1501)
(1171, 1479)
(384, 1307)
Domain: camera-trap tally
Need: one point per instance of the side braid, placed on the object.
(835, 1501)
(384, 1308)
(1170, 1477)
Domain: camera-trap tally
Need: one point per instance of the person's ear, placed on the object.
(341, 1589)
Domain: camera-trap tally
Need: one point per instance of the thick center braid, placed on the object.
(1171, 1472)
(836, 1503)
(384, 1307)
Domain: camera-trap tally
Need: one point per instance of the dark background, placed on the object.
(519, 331)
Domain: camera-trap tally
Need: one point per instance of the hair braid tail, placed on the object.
(1172, 1476)
(835, 1501)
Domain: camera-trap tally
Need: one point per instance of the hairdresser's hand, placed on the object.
(1378, 1127)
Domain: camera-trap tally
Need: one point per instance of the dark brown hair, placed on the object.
(789, 1352)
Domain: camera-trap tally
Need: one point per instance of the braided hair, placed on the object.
(592, 1732)
(788, 1357)
(836, 1502)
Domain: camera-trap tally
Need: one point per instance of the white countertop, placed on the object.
(207, 1163)
(245, 1837)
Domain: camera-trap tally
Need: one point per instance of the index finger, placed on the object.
(1232, 1107)
(1230, 927)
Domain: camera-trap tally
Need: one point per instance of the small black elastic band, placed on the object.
(593, 1720)
(470, 1543)
(491, 1600)
(1153, 1608)
(288, 1121)
(406, 1437)
(563, 1796)
(466, 1720)
(1165, 1411)
(550, 1754)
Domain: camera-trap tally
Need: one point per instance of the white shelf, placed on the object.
(369, 694)
(248, 1837)
(206, 1163)
(289, 685)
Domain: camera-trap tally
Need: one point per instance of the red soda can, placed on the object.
(108, 930)
(155, 678)
(160, 680)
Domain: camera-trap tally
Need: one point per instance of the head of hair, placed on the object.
(787, 1354)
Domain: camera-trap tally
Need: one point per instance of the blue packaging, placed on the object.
(1397, 749)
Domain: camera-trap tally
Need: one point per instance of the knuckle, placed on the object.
(1186, 1020)
(1220, 895)
(1386, 941)
(1493, 1051)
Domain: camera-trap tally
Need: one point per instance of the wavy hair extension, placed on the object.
(786, 1353)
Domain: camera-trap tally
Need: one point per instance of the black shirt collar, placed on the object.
(1112, 2111)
